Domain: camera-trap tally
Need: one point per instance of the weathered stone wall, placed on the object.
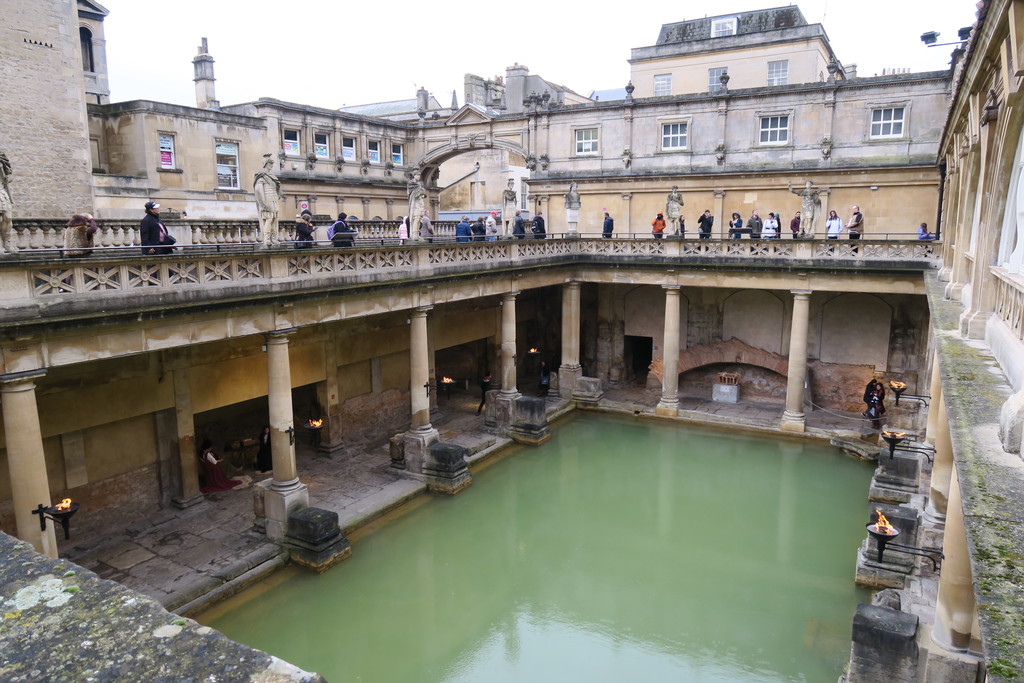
(63, 623)
(42, 106)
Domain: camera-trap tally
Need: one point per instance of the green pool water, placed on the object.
(621, 550)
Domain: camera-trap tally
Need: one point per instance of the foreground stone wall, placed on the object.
(63, 623)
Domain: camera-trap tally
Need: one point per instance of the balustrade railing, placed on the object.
(1009, 300)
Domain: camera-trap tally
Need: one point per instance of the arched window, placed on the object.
(85, 35)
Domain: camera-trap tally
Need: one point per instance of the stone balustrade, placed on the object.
(1009, 300)
(46, 274)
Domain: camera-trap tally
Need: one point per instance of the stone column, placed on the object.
(793, 419)
(508, 346)
(936, 393)
(669, 403)
(942, 469)
(954, 605)
(26, 461)
(570, 370)
(419, 370)
(327, 393)
(188, 456)
(285, 493)
(721, 220)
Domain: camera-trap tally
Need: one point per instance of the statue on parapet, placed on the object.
(508, 207)
(810, 207)
(7, 245)
(572, 197)
(674, 207)
(417, 205)
(267, 189)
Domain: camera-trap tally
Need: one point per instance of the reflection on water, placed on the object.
(620, 550)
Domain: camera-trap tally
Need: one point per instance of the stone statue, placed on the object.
(809, 208)
(417, 205)
(7, 245)
(674, 204)
(267, 188)
(508, 209)
(572, 197)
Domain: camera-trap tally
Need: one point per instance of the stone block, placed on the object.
(396, 450)
(279, 505)
(896, 479)
(499, 411)
(529, 421)
(416, 448)
(725, 393)
(884, 647)
(445, 470)
(314, 539)
(588, 391)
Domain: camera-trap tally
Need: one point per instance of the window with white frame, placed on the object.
(586, 141)
(774, 130)
(167, 151)
(723, 27)
(291, 142)
(662, 85)
(321, 146)
(778, 72)
(227, 165)
(373, 151)
(397, 153)
(887, 122)
(715, 78)
(674, 135)
(348, 148)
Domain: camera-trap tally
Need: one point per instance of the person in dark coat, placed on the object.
(478, 229)
(463, 231)
(154, 236)
(485, 386)
(538, 227)
(519, 226)
(304, 230)
(264, 456)
(704, 224)
(609, 226)
(214, 479)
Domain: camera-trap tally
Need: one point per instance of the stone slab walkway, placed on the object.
(187, 559)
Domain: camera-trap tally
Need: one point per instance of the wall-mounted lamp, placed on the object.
(930, 38)
(59, 513)
(900, 388)
(883, 532)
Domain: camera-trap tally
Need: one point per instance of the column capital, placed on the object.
(672, 288)
(364, 200)
(19, 381)
(718, 193)
(510, 296)
(626, 196)
(389, 201)
(421, 311)
(801, 293)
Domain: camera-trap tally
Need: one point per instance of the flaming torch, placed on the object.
(883, 532)
(61, 512)
(315, 426)
(447, 382)
(893, 439)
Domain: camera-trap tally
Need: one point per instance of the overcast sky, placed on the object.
(331, 54)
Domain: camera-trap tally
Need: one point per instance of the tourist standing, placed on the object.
(923, 234)
(833, 226)
(491, 227)
(154, 236)
(794, 226)
(770, 229)
(79, 235)
(426, 228)
(856, 225)
(403, 229)
(264, 457)
(704, 224)
(463, 233)
(519, 226)
(736, 226)
(477, 228)
(658, 226)
(609, 225)
(755, 225)
(539, 232)
(304, 230)
(485, 386)
(545, 379)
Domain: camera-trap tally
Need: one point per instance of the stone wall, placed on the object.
(42, 106)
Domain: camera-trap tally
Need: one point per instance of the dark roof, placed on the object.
(747, 22)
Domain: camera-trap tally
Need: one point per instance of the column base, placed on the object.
(445, 469)
(529, 424)
(793, 422)
(181, 502)
(934, 518)
(973, 323)
(416, 445)
(667, 408)
(953, 291)
(273, 507)
(567, 376)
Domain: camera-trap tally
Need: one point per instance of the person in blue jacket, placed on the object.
(609, 225)
(463, 233)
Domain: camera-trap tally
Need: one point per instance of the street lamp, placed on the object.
(930, 38)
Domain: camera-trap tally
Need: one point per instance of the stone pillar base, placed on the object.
(182, 503)
(955, 668)
(896, 479)
(273, 507)
(793, 422)
(972, 324)
(445, 470)
(666, 408)
(933, 518)
(953, 290)
(884, 645)
(499, 411)
(314, 539)
(589, 391)
(416, 448)
(567, 376)
(529, 421)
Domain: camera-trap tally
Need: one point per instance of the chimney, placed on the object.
(206, 98)
(851, 70)
(515, 87)
(422, 99)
